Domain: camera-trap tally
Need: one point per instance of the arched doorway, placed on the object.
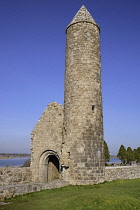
(53, 167)
(49, 166)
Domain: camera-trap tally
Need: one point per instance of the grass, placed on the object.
(116, 195)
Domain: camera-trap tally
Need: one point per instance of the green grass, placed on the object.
(116, 195)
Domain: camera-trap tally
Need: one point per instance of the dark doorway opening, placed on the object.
(53, 171)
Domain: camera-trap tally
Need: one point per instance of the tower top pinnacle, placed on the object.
(82, 15)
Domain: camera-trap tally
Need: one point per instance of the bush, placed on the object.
(27, 163)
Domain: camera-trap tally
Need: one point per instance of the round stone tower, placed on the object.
(83, 147)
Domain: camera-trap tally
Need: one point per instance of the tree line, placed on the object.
(127, 156)
(11, 155)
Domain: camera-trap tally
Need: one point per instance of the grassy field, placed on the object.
(116, 195)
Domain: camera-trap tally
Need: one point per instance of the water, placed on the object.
(17, 161)
(114, 160)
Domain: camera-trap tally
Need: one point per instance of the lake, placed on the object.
(114, 160)
(17, 161)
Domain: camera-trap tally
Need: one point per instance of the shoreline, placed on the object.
(11, 157)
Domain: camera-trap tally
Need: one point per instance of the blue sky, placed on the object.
(32, 64)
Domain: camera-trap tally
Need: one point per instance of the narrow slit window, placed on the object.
(93, 107)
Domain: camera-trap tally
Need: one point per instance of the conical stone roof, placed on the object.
(82, 15)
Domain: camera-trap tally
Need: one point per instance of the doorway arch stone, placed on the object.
(49, 166)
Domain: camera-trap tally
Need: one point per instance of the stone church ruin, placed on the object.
(67, 143)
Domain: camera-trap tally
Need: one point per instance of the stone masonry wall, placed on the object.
(122, 172)
(12, 180)
(14, 175)
(46, 136)
(20, 189)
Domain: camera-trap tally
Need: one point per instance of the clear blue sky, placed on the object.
(32, 63)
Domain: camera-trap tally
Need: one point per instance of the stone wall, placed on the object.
(13, 180)
(20, 189)
(122, 172)
(14, 175)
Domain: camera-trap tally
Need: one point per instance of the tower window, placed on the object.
(93, 107)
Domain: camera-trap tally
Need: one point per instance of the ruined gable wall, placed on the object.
(47, 135)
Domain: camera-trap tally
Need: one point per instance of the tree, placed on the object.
(106, 152)
(122, 154)
(136, 155)
(138, 149)
(130, 155)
